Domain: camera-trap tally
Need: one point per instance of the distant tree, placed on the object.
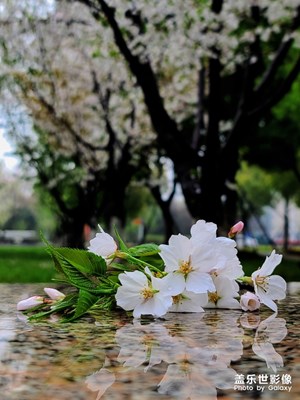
(88, 139)
(256, 190)
(15, 199)
(21, 219)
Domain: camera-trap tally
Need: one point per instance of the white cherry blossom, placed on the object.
(225, 294)
(147, 296)
(267, 287)
(192, 264)
(223, 251)
(103, 245)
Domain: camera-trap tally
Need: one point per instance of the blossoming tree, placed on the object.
(209, 73)
(88, 143)
(94, 73)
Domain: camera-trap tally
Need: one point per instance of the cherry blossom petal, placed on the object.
(133, 280)
(277, 287)
(199, 282)
(228, 302)
(177, 251)
(270, 264)
(172, 284)
(126, 299)
(189, 302)
(156, 306)
(203, 231)
(265, 299)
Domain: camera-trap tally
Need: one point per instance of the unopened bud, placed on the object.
(29, 303)
(54, 294)
(249, 302)
(235, 229)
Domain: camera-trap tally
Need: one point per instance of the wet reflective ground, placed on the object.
(221, 354)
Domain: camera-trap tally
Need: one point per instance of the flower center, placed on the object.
(213, 297)
(185, 267)
(147, 293)
(176, 299)
(262, 281)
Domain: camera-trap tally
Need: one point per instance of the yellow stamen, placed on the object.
(147, 293)
(213, 297)
(185, 267)
(176, 299)
(262, 281)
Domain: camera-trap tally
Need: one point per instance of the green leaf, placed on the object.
(118, 266)
(122, 245)
(85, 301)
(74, 275)
(143, 250)
(84, 260)
(154, 260)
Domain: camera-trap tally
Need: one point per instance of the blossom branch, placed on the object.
(168, 134)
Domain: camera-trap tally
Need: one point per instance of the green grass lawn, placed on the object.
(25, 265)
(33, 264)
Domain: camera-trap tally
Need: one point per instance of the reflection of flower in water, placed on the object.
(196, 361)
(197, 365)
(250, 320)
(271, 330)
(142, 344)
(195, 380)
(100, 381)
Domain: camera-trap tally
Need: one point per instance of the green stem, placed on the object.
(129, 257)
(246, 279)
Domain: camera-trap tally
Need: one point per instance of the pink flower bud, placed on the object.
(54, 294)
(29, 303)
(249, 302)
(237, 228)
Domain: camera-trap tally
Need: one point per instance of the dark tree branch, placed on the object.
(281, 54)
(269, 75)
(248, 109)
(282, 90)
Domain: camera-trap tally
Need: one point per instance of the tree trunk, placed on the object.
(72, 233)
(164, 206)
